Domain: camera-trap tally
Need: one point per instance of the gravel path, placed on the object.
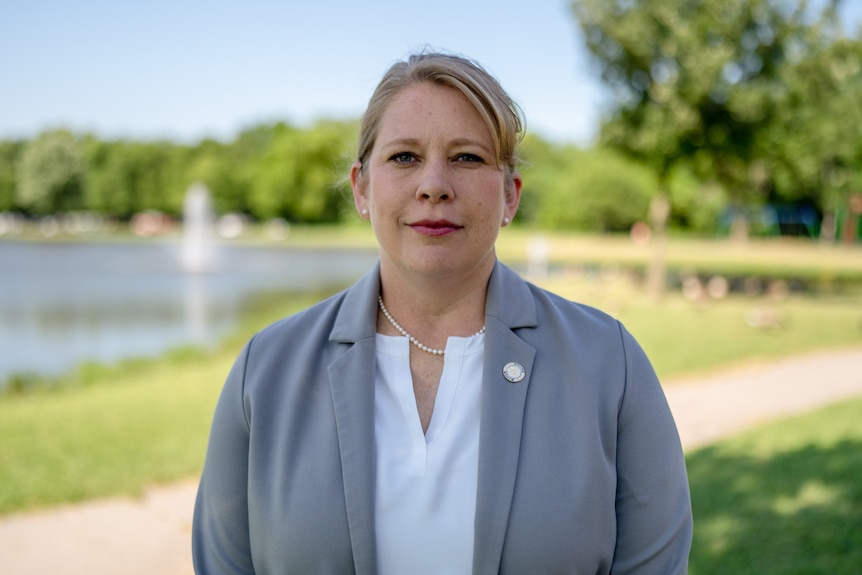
(151, 536)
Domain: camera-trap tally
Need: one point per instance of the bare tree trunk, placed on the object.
(659, 212)
(739, 228)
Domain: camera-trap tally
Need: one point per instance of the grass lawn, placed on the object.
(111, 437)
(124, 428)
(682, 337)
(782, 499)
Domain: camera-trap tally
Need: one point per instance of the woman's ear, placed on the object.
(359, 186)
(513, 196)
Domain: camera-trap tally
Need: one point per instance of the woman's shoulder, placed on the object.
(548, 302)
(523, 305)
(574, 325)
(311, 323)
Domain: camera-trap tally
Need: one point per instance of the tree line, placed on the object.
(279, 171)
(719, 108)
(742, 102)
(267, 171)
(299, 174)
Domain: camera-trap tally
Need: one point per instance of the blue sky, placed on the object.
(186, 70)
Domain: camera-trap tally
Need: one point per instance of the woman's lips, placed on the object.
(435, 227)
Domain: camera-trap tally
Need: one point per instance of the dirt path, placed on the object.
(151, 536)
(721, 404)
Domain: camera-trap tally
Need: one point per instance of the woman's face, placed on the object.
(431, 186)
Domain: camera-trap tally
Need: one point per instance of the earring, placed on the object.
(364, 213)
(506, 221)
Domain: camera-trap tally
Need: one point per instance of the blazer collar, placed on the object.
(509, 306)
(357, 318)
(509, 299)
(508, 302)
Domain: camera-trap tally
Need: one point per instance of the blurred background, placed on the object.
(172, 177)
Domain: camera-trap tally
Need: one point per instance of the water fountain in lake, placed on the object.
(198, 223)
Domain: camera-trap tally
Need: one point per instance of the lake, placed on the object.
(65, 303)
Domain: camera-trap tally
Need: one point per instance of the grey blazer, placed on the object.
(580, 465)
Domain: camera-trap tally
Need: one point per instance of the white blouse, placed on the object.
(426, 483)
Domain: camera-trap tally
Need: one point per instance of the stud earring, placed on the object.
(364, 213)
(506, 221)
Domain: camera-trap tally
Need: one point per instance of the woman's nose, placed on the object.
(435, 183)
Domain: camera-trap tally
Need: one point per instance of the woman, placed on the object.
(442, 415)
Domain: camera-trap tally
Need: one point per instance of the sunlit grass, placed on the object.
(781, 499)
(683, 337)
(118, 437)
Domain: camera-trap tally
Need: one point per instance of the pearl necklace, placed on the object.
(412, 339)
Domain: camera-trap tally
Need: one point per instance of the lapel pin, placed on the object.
(514, 372)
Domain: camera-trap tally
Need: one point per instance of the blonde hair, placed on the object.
(500, 113)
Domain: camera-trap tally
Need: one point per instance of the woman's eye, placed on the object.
(469, 158)
(402, 158)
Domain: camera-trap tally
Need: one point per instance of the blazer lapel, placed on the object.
(351, 379)
(509, 306)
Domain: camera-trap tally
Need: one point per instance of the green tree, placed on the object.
(128, 177)
(298, 175)
(815, 143)
(108, 189)
(10, 153)
(270, 173)
(542, 163)
(597, 190)
(161, 175)
(693, 79)
(695, 205)
(698, 83)
(51, 173)
(215, 165)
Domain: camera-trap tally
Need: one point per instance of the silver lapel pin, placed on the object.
(514, 372)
